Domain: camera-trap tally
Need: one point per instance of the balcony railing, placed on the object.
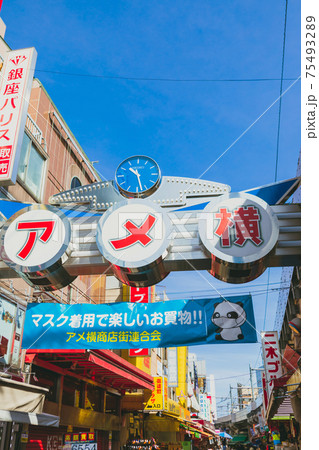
(36, 132)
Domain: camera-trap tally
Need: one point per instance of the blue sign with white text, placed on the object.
(134, 325)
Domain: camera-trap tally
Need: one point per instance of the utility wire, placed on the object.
(281, 83)
(230, 289)
(118, 77)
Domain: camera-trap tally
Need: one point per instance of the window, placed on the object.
(75, 182)
(72, 392)
(31, 167)
(45, 378)
(94, 398)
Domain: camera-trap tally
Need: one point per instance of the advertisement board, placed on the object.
(14, 99)
(156, 401)
(139, 295)
(172, 367)
(133, 325)
(271, 357)
(7, 325)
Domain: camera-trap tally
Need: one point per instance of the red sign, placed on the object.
(14, 97)
(79, 437)
(272, 358)
(265, 394)
(139, 295)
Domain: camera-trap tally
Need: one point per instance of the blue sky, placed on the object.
(184, 125)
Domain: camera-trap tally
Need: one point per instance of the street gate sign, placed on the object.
(151, 227)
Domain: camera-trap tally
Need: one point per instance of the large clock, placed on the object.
(138, 176)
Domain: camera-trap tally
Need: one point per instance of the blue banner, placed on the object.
(134, 325)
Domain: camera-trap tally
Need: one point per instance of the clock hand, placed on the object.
(139, 181)
(133, 170)
(138, 176)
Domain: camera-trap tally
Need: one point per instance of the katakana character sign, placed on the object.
(133, 234)
(45, 227)
(137, 234)
(35, 238)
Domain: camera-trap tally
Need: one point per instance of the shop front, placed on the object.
(85, 391)
(283, 427)
(21, 404)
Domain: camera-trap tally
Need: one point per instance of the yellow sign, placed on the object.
(24, 437)
(173, 407)
(155, 403)
(165, 392)
(185, 414)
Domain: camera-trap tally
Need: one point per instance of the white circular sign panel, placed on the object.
(35, 238)
(238, 228)
(133, 234)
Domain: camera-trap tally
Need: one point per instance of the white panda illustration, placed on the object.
(229, 317)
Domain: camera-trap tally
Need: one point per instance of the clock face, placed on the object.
(138, 176)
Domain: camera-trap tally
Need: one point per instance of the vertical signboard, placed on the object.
(16, 348)
(271, 357)
(204, 407)
(156, 401)
(139, 295)
(14, 100)
(172, 367)
(265, 393)
(165, 393)
(7, 324)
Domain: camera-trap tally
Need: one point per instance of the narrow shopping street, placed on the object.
(150, 224)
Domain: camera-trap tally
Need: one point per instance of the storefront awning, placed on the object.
(294, 382)
(279, 403)
(102, 366)
(22, 397)
(290, 358)
(208, 426)
(46, 420)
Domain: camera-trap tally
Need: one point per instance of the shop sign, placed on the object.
(80, 446)
(172, 367)
(165, 392)
(265, 392)
(132, 325)
(156, 403)
(19, 320)
(14, 99)
(204, 407)
(271, 357)
(184, 413)
(7, 323)
(139, 295)
(24, 438)
(80, 441)
(173, 407)
(54, 442)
